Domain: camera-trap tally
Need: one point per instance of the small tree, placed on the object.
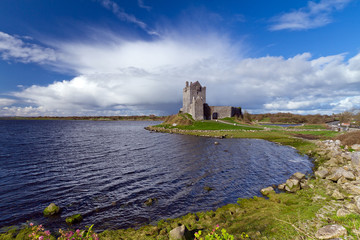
(346, 117)
(247, 117)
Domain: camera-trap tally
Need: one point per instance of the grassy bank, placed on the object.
(280, 216)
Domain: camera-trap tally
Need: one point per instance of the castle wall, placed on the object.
(197, 109)
(224, 111)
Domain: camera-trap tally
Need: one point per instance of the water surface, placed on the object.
(105, 170)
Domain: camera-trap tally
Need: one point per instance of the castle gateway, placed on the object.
(194, 103)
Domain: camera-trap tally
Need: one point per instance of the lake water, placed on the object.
(105, 170)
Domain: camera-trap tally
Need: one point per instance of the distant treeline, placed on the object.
(92, 118)
(293, 118)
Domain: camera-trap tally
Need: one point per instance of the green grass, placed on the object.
(212, 125)
(324, 134)
(279, 217)
(311, 126)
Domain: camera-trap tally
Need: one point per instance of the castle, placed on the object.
(194, 103)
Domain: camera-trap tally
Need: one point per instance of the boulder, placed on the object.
(180, 233)
(356, 147)
(357, 203)
(298, 176)
(351, 188)
(330, 232)
(321, 173)
(74, 219)
(292, 185)
(267, 191)
(216, 143)
(150, 201)
(342, 180)
(342, 212)
(337, 195)
(304, 184)
(337, 142)
(282, 186)
(341, 172)
(355, 160)
(51, 210)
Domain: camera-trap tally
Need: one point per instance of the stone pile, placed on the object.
(339, 172)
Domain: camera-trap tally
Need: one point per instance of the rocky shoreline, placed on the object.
(339, 172)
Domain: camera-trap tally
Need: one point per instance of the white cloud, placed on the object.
(142, 5)
(314, 15)
(6, 102)
(122, 15)
(144, 77)
(12, 48)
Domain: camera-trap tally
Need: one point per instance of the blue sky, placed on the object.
(112, 57)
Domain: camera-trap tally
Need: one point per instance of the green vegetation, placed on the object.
(311, 126)
(37, 232)
(292, 118)
(212, 125)
(282, 216)
(182, 119)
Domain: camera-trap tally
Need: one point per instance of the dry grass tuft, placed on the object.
(349, 138)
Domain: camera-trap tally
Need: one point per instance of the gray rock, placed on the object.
(267, 191)
(341, 172)
(304, 184)
(282, 186)
(357, 203)
(351, 189)
(342, 212)
(322, 173)
(298, 176)
(337, 195)
(355, 160)
(351, 207)
(179, 233)
(51, 210)
(356, 147)
(348, 175)
(342, 180)
(330, 232)
(292, 185)
(337, 142)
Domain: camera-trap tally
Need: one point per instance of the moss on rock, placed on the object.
(51, 210)
(74, 219)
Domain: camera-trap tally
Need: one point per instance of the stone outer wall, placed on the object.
(224, 111)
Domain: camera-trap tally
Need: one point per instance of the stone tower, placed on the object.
(194, 98)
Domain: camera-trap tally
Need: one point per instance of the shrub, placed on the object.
(349, 138)
(39, 233)
(217, 235)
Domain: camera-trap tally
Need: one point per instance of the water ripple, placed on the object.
(107, 170)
